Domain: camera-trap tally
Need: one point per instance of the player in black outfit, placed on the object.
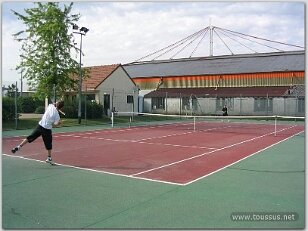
(225, 111)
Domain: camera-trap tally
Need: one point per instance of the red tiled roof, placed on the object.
(97, 74)
(220, 92)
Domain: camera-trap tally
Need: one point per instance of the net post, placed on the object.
(112, 118)
(194, 123)
(130, 121)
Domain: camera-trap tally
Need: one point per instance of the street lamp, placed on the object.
(82, 31)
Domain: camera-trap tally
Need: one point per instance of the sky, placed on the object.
(123, 32)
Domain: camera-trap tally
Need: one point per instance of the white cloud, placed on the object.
(122, 32)
(10, 52)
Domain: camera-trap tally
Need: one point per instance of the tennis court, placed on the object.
(135, 166)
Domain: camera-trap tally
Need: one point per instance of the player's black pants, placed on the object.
(45, 133)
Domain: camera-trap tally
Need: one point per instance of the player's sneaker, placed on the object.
(49, 160)
(15, 149)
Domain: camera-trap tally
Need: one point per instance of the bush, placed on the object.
(94, 110)
(28, 104)
(40, 110)
(8, 108)
(71, 111)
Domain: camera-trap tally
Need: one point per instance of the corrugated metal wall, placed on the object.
(235, 80)
(237, 106)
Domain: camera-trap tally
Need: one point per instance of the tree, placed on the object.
(46, 47)
(11, 91)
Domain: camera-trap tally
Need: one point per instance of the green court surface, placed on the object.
(36, 195)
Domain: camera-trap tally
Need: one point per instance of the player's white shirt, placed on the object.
(50, 117)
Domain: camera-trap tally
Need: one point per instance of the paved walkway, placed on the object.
(30, 115)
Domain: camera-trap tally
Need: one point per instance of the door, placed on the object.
(106, 103)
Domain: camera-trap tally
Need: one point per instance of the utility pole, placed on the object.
(16, 114)
(21, 83)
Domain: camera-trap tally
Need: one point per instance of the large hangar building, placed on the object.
(249, 84)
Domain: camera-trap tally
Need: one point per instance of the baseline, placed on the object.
(94, 170)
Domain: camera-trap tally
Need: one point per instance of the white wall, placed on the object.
(242, 106)
(147, 105)
(119, 85)
(142, 93)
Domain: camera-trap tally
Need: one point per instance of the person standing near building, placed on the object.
(44, 128)
(225, 111)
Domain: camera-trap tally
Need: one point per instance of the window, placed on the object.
(158, 103)
(185, 103)
(263, 104)
(301, 105)
(221, 102)
(90, 97)
(195, 103)
(130, 99)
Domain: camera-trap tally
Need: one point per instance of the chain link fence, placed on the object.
(209, 105)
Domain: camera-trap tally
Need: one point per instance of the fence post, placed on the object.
(166, 101)
(16, 114)
(112, 117)
(275, 124)
(267, 104)
(180, 104)
(296, 105)
(191, 104)
(85, 105)
(240, 104)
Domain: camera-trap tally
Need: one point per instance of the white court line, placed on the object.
(157, 137)
(160, 181)
(98, 171)
(176, 145)
(141, 128)
(207, 153)
(9, 140)
(35, 154)
(190, 182)
(185, 133)
(150, 143)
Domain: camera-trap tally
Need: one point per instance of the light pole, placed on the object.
(82, 31)
(21, 83)
(16, 114)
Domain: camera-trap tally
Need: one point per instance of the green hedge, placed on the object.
(40, 110)
(94, 110)
(8, 109)
(28, 104)
(70, 110)
(34, 105)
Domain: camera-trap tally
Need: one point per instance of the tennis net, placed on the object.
(226, 124)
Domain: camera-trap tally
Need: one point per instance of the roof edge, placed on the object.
(297, 52)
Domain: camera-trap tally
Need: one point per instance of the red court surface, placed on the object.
(168, 155)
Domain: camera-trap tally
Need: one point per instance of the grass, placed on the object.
(21, 124)
(30, 123)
